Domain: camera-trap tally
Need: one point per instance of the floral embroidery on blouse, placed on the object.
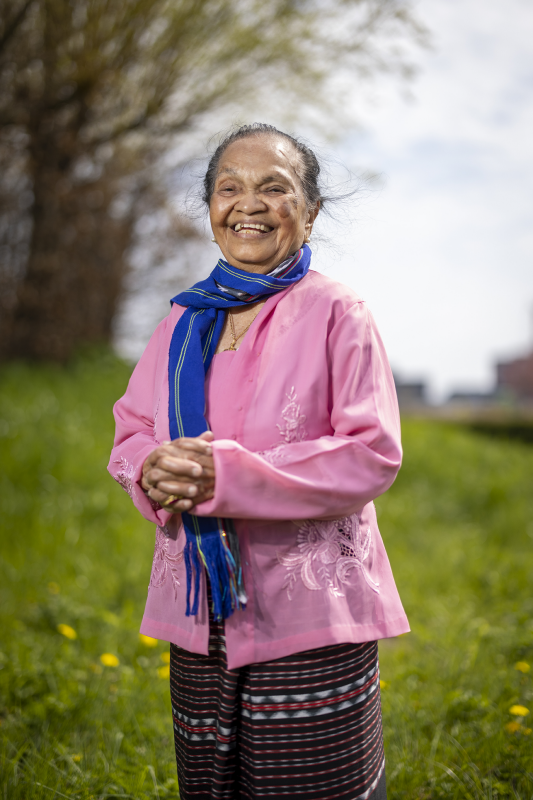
(291, 430)
(164, 563)
(156, 440)
(276, 455)
(124, 475)
(328, 550)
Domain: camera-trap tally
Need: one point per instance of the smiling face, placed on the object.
(258, 211)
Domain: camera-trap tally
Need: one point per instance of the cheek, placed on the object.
(285, 210)
(218, 211)
(289, 213)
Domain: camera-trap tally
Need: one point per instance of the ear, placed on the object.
(311, 216)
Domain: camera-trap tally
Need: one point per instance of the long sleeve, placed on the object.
(135, 436)
(306, 427)
(334, 475)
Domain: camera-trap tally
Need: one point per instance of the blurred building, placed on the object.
(515, 379)
(472, 399)
(411, 395)
(513, 388)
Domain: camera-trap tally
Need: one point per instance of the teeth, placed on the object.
(244, 226)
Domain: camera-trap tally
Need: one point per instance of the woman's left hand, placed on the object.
(180, 474)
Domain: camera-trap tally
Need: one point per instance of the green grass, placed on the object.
(458, 525)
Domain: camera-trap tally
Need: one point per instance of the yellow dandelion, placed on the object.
(109, 660)
(519, 711)
(522, 666)
(67, 631)
(512, 727)
(165, 657)
(383, 684)
(164, 672)
(76, 758)
(53, 587)
(527, 731)
(147, 640)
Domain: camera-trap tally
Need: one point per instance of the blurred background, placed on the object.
(107, 117)
(108, 113)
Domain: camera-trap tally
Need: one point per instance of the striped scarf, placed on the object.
(211, 541)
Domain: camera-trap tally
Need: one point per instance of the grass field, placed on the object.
(85, 711)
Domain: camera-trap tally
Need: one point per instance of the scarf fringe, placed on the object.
(221, 558)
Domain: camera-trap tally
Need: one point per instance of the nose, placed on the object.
(250, 203)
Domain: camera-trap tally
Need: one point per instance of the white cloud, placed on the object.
(444, 251)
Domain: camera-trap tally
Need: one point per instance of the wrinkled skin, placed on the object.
(184, 467)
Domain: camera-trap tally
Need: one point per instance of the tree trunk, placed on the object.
(75, 268)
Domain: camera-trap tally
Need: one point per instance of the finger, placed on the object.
(206, 462)
(203, 499)
(170, 447)
(205, 469)
(158, 453)
(204, 459)
(181, 504)
(157, 496)
(198, 445)
(204, 491)
(155, 476)
(180, 466)
(171, 487)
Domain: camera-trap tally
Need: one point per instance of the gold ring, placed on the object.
(172, 498)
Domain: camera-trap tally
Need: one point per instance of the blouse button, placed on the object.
(234, 436)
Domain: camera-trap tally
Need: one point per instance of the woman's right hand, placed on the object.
(184, 469)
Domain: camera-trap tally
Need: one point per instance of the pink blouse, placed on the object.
(307, 434)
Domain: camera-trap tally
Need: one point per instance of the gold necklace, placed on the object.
(234, 336)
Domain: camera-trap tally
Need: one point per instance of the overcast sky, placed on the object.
(442, 248)
(443, 251)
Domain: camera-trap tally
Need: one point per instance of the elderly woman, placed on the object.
(258, 427)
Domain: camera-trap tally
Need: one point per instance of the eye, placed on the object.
(275, 190)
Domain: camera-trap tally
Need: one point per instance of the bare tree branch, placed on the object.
(12, 26)
(95, 91)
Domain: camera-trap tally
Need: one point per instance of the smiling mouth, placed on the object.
(255, 228)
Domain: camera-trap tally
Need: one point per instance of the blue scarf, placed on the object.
(211, 541)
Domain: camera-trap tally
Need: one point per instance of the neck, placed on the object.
(260, 269)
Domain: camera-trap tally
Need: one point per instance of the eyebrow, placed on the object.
(276, 176)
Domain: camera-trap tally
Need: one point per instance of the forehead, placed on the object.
(263, 156)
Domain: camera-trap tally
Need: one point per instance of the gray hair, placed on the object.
(308, 169)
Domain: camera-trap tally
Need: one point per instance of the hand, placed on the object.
(180, 474)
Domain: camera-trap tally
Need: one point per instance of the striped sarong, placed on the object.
(308, 724)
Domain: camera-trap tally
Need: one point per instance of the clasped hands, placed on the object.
(180, 474)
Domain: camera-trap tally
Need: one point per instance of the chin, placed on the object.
(253, 254)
